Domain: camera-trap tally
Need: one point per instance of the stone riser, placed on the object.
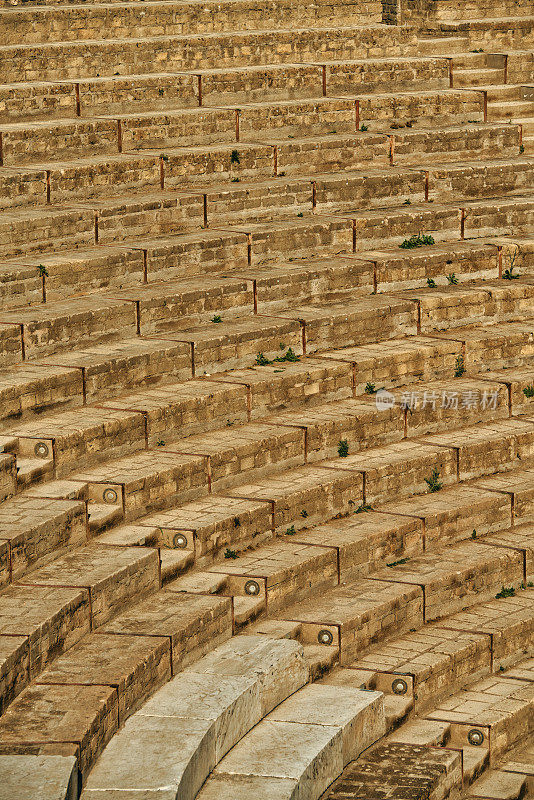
(64, 24)
(73, 61)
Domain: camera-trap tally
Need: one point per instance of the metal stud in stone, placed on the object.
(475, 737)
(325, 637)
(41, 449)
(399, 686)
(180, 541)
(110, 496)
(252, 588)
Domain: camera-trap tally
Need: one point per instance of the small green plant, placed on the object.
(234, 158)
(506, 591)
(459, 367)
(431, 283)
(237, 522)
(407, 202)
(417, 240)
(230, 553)
(161, 92)
(160, 443)
(300, 214)
(364, 128)
(510, 275)
(370, 388)
(396, 563)
(291, 531)
(521, 148)
(452, 279)
(303, 513)
(43, 272)
(363, 508)
(474, 534)
(434, 484)
(262, 360)
(236, 180)
(163, 157)
(217, 318)
(528, 391)
(343, 448)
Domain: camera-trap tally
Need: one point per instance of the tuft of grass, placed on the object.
(506, 591)
(364, 127)
(234, 158)
(291, 531)
(521, 148)
(431, 283)
(300, 214)
(263, 361)
(230, 553)
(474, 534)
(434, 484)
(363, 508)
(459, 368)
(528, 391)
(237, 522)
(396, 563)
(217, 318)
(510, 275)
(417, 240)
(43, 272)
(452, 279)
(343, 448)
(160, 443)
(164, 157)
(370, 388)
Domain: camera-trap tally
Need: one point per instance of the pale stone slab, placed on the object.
(497, 785)
(310, 754)
(232, 704)
(359, 714)
(243, 787)
(156, 754)
(278, 665)
(27, 777)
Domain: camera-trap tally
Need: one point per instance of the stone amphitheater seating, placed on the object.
(266, 400)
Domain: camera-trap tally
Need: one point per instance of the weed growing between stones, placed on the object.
(528, 391)
(459, 367)
(417, 240)
(230, 553)
(343, 448)
(434, 484)
(263, 361)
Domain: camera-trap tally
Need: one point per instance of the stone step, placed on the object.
(322, 728)
(210, 706)
(162, 91)
(481, 76)
(494, 714)
(114, 577)
(499, 785)
(62, 22)
(100, 221)
(517, 486)
(34, 531)
(37, 624)
(459, 576)
(46, 709)
(29, 62)
(397, 768)
(53, 776)
(498, 300)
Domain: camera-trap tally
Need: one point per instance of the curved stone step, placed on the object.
(301, 747)
(189, 725)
